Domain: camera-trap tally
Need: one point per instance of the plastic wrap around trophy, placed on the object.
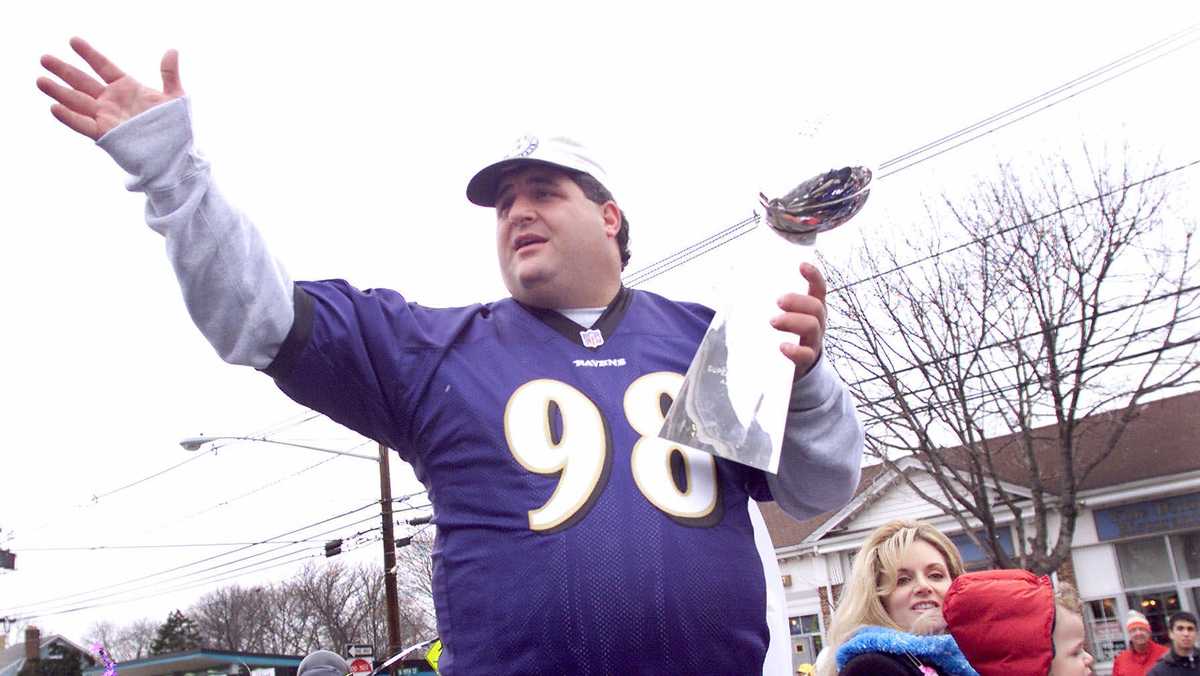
(733, 402)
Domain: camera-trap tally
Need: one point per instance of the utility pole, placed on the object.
(334, 547)
(8, 560)
(389, 556)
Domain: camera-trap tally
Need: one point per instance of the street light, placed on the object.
(385, 503)
(196, 443)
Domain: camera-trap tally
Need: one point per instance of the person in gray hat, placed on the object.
(323, 663)
(570, 538)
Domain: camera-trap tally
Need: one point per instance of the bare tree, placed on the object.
(123, 643)
(414, 574)
(137, 637)
(1010, 366)
(322, 606)
(328, 595)
(232, 618)
(107, 634)
(349, 606)
(288, 628)
(414, 624)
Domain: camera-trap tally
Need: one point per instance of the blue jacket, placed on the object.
(939, 651)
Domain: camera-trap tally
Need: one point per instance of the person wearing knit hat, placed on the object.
(1012, 622)
(1142, 653)
(323, 663)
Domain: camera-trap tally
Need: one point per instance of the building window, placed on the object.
(974, 558)
(1103, 628)
(806, 639)
(1160, 575)
(1144, 562)
(804, 624)
(1157, 605)
(1186, 548)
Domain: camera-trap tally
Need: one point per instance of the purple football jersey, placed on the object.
(570, 539)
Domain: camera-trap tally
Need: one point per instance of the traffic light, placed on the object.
(333, 547)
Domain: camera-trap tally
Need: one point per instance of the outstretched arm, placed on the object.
(237, 294)
(823, 441)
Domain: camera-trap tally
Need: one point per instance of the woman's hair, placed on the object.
(874, 576)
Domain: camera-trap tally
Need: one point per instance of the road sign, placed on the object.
(360, 650)
(360, 666)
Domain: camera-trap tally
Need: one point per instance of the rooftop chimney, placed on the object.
(33, 643)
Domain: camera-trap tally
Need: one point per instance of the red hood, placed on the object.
(1003, 621)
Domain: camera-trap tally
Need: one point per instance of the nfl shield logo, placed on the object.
(592, 338)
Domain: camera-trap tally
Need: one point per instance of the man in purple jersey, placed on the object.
(571, 539)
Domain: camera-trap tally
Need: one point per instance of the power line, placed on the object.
(664, 264)
(280, 427)
(931, 407)
(52, 608)
(1006, 367)
(219, 568)
(306, 415)
(731, 235)
(1038, 110)
(291, 421)
(1033, 334)
(97, 498)
(728, 235)
(1047, 94)
(77, 609)
(653, 270)
(276, 482)
(984, 238)
(190, 545)
(373, 503)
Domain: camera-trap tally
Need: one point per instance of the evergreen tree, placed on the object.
(178, 634)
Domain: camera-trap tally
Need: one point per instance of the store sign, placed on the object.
(1108, 630)
(1151, 516)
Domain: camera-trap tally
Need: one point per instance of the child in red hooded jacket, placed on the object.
(1011, 622)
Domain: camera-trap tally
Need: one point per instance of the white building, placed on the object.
(1136, 543)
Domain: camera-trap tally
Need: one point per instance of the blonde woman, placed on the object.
(899, 577)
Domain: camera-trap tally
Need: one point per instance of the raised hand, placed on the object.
(91, 107)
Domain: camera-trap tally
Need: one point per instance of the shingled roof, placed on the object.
(786, 531)
(1163, 440)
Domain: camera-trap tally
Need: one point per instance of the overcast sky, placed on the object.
(348, 135)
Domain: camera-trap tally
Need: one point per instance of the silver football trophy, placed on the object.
(734, 399)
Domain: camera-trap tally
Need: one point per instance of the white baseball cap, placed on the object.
(554, 151)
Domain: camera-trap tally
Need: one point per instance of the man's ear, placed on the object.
(612, 218)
